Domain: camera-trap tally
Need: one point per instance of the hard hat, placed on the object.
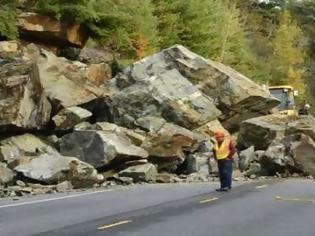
(307, 106)
(219, 134)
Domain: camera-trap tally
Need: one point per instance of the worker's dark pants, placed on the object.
(225, 173)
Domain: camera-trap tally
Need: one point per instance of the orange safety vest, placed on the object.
(223, 151)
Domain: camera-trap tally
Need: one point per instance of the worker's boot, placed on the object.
(223, 189)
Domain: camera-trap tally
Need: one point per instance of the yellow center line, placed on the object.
(261, 186)
(292, 199)
(114, 224)
(209, 200)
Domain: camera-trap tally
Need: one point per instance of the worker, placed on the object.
(305, 110)
(224, 150)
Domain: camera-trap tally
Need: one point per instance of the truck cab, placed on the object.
(285, 94)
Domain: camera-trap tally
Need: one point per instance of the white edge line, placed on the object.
(53, 199)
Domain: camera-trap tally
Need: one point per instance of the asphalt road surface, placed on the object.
(283, 208)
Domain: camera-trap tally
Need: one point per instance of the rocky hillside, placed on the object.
(68, 124)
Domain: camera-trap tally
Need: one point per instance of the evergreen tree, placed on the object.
(8, 21)
(127, 26)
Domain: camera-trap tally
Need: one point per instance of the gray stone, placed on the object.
(84, 126)
(23, 104)
(66, 83)
(166, 178)
(254, 169)
(238, 97)
(246, 157)
(100, 148)
(124, 180)
(64, 186)
(140, 173)
(167, 147)
(56, 169)
(155, 87)
(26, 144)
(69, 117)
(260, 132)
(9, 153)
(6, 175)
(198, 163)
(303, 153)
(150, 123)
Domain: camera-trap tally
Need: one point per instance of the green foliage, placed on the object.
(8, 22)
(127, 26)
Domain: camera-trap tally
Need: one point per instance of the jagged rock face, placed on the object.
(154, 87)
(100, 148)
(168, 145)
(236, 96)
(303, 152)
(65, 82)
(48, 30)
(23, 103)
(163, 85)
(260, 132)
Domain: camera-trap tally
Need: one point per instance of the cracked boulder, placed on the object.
(100, 148)
(238, 97)
(54, 169)
(155, 87)
(23, 104)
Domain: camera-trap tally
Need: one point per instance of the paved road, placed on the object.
(185, 210)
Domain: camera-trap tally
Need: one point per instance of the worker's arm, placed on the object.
(232, 150)
(214, 154)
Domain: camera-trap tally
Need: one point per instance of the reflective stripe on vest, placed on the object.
(223, 151)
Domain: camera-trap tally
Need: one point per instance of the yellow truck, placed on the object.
(285, 94)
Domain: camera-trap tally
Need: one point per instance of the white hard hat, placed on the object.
(307, 106)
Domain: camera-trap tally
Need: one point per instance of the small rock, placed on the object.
(253, 176)
(64, 186)
(69, 117)
(6, 175)
(140, 173)
(20, 183)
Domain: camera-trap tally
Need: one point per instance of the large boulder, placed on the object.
(23, 104)
(303, 153)
(199, 163)
(66, 83)
(261, 132)
(53, 169)
(48, 30)
(168, 147)
(27, 144)
(155, 87)
(236, 96)
(100, 148)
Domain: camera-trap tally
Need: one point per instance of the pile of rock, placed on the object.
(67, 124)
(278, 145)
